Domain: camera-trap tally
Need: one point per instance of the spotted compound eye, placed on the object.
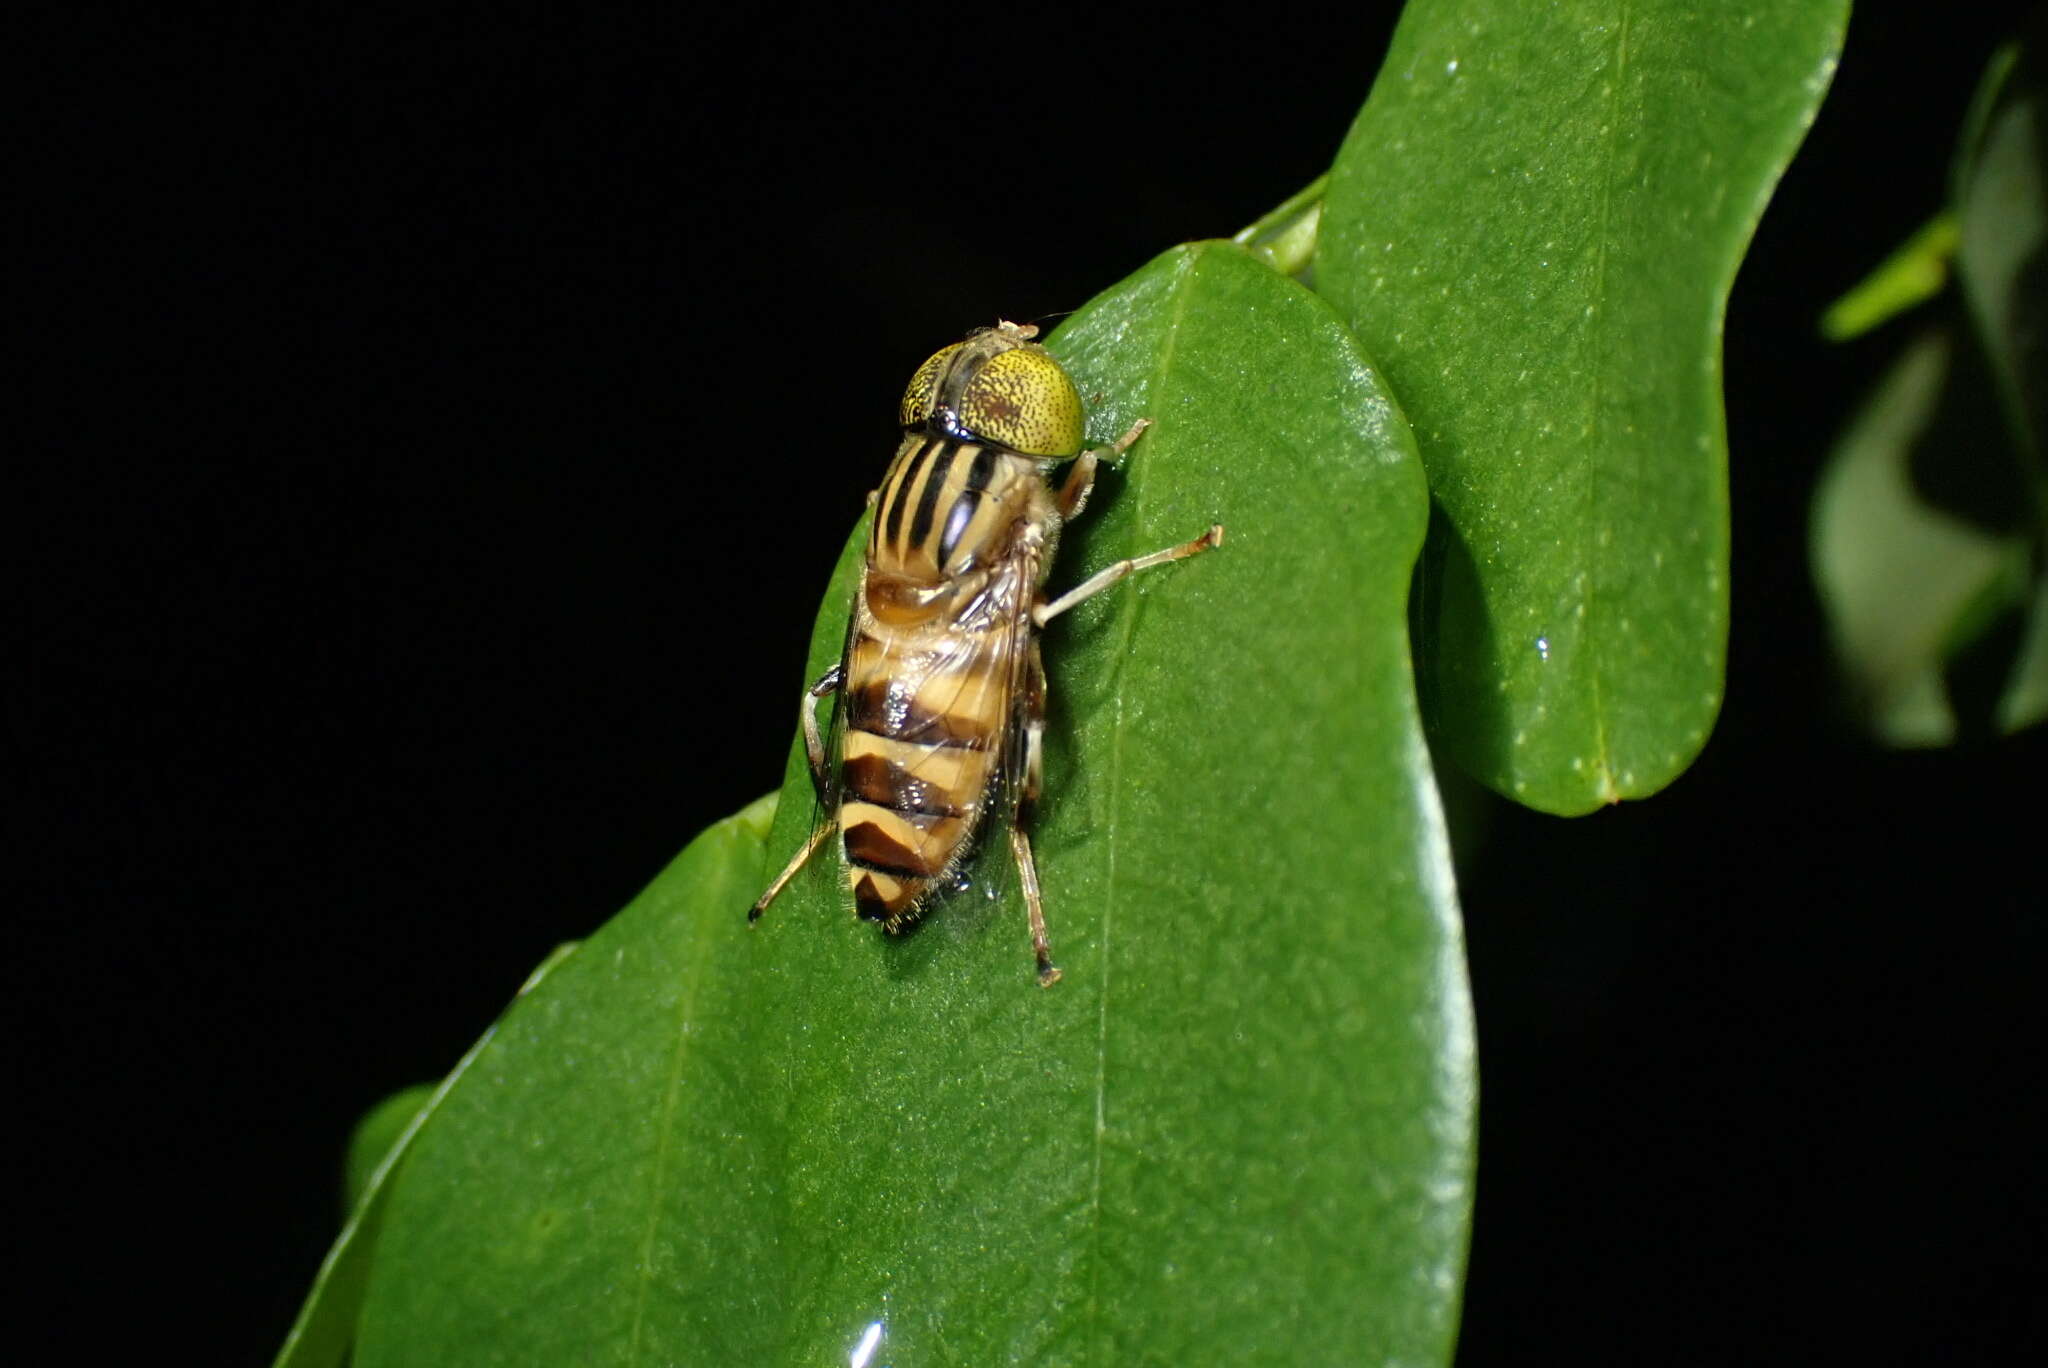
(1023, 400)
(921, 396)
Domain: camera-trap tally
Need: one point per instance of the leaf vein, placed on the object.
(665, 1129)
(1128, 621)
(1603, 760)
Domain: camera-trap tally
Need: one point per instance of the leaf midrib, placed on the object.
(1127, 614)
(665, 1130)
(1603, 758)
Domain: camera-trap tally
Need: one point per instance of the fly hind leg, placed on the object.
(814, 752)
(1034, 906)
(810, 848)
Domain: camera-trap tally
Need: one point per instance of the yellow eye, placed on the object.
(919, 399)
(1022, 399)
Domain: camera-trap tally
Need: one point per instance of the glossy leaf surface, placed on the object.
(1533, 227)
(1238, 1131)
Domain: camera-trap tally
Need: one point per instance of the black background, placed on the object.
(443, 427)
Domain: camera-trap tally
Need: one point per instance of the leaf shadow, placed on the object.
(1456, 648)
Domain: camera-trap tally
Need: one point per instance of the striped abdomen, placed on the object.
(939, 632)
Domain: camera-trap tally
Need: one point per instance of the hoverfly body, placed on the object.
(941, 714)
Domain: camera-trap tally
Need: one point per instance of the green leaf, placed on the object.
(1903, 582)
(2024, 703)
(2002, 261)
(1239, 1130)
(2002, 252)
(380, 1131)
(1533, 226)
(326, 1324)
(1931, 519)
(1285, 237)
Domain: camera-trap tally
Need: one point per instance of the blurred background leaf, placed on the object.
(1931, 519)
(1906, 584)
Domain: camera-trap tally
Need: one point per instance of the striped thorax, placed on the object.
(942, 689)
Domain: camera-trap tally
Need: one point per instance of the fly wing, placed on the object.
(825, 781)
(929, 715)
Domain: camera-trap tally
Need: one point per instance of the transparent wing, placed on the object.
(951, 691)
(825, 786)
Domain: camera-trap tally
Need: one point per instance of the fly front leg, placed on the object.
(1028, 780)
(1073, 496)
(1045, 612)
